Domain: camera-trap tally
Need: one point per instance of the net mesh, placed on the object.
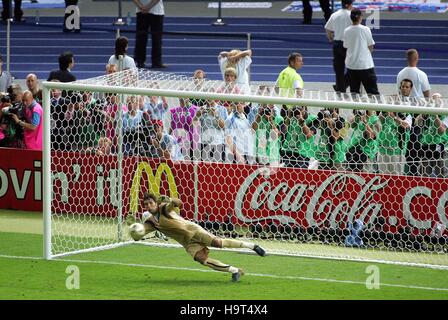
(300, 177)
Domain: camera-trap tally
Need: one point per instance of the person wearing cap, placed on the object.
(5, 77)
(335, 26)
(359, 43)
(308, 10)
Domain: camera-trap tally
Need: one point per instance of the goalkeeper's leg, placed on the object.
(231, 243)
(203, 258)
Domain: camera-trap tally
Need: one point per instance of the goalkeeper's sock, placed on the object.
(219, 266)
(230, 243)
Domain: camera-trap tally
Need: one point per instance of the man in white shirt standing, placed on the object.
(338, 22)
(150, 14)
(421, 87)
(359, 43)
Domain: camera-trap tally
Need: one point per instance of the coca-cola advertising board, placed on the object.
(245, 194)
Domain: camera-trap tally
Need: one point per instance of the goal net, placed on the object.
(311, 173)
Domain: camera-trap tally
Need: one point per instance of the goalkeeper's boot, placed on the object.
(259, 250)
(237, 275)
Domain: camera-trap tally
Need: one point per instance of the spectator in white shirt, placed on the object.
(121, 48)
(359, 62)
(421, 87)
(338, 22)
(240, 61)
(240, 137)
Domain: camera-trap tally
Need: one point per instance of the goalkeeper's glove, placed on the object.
(130, 219)
(163, 199)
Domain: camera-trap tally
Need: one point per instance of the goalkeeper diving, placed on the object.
(160, 215)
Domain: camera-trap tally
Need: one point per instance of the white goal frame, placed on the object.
(309, 98)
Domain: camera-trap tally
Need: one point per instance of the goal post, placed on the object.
(328, 198)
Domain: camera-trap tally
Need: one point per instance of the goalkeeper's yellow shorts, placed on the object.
(201, 239)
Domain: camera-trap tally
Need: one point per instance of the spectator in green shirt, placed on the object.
(267, 135)
(289, 83)
(331, 148)
(298, 146)
(363, 146)
(392, 142)
(434, 136)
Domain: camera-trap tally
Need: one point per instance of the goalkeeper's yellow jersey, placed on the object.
(174, 226)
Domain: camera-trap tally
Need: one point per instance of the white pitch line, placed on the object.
(263, 275)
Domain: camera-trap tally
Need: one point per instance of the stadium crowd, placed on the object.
(243, 133)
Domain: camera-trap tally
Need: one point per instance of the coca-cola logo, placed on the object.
(267, 195)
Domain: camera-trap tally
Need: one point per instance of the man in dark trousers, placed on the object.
(335, 28)
(150, 15)
(308, 10)
(18, 13)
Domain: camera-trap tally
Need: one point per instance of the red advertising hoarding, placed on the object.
(244, 194)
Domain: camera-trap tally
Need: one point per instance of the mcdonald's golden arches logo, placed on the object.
(154, 182)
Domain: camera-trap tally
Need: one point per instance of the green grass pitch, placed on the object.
(141, 272)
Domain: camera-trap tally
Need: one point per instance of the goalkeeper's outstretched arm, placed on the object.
(177, 202)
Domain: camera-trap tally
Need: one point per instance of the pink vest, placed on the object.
(33, 139)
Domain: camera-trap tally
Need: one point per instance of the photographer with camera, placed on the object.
(11, 103)
(181, 126)
(433, 138)
(298, 146)
(210, 118)
(363, 147)
(331, 148)
(392, 142)
(32, 122)
(267, 135)
(163, 145)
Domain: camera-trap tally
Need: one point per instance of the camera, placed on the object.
(359, 113)
(5, 97)
(300, 111)
(266, 111)
(324, 113)
(9, 96)
(14, 109)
